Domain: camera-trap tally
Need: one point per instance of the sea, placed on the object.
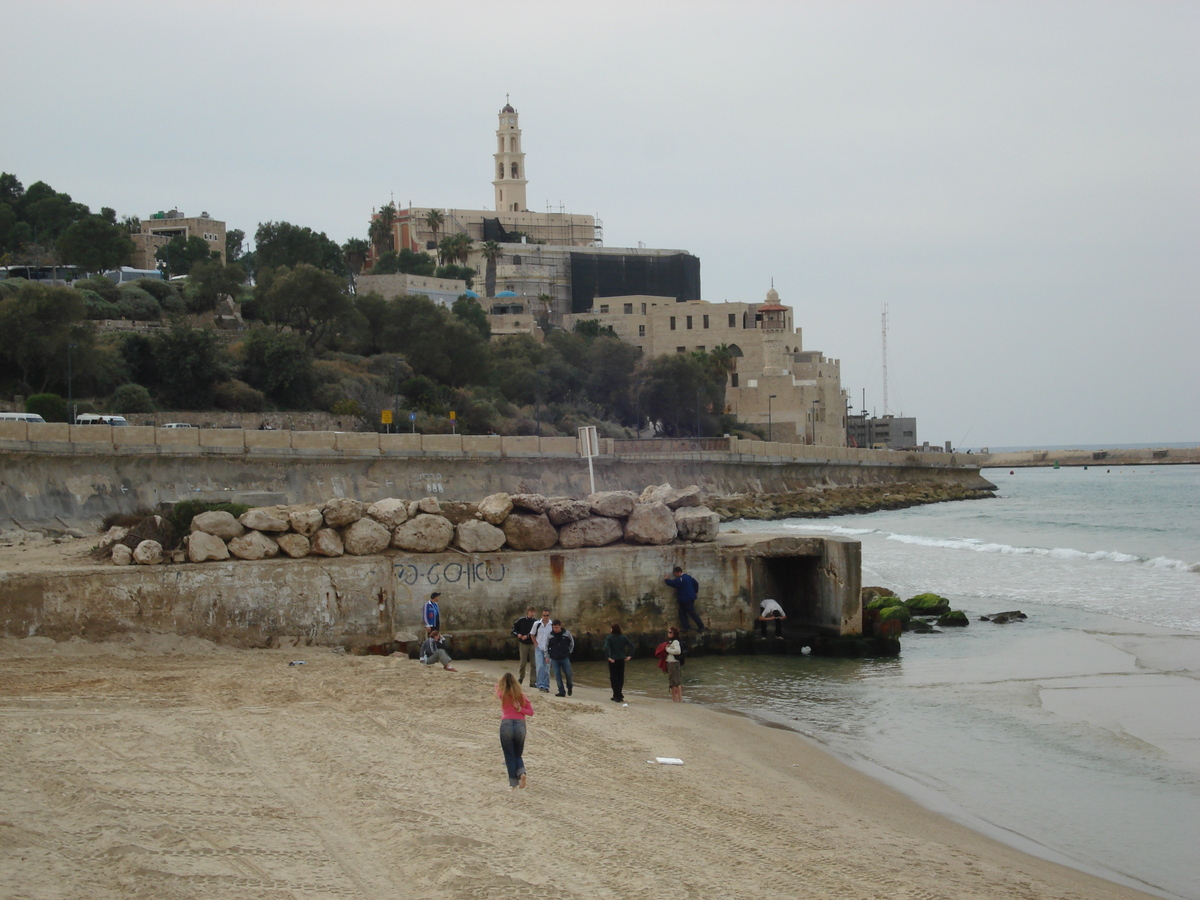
(1073, 734)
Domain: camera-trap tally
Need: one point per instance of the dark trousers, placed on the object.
(689, 609)
(525, 650)
(512, 742)
(762, 626)
(616, 677)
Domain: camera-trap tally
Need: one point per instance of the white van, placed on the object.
(21, 417)
(178, 425)
(98, 419)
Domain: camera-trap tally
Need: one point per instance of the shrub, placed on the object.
(50, 407)
(183, 512)
(130, 398)
(237, 396)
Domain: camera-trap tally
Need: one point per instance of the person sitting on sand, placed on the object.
(514, 709)
(434, 650)
(771, 611)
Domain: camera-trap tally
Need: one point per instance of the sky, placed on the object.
(1017, 182)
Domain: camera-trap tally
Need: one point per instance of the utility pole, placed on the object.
(885, 399)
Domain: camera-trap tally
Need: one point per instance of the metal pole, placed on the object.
(70, 393)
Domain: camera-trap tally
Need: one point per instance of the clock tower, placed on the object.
(510, 163)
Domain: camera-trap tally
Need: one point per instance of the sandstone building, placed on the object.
(162, 226)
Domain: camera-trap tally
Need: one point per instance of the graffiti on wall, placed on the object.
(434, 574)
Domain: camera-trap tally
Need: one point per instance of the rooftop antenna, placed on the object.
(885, 397)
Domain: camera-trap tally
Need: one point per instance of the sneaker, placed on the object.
(569, 690)
(560, 694)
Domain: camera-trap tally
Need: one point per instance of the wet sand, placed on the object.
(164, 767)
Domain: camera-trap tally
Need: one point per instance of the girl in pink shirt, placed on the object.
(514, 707)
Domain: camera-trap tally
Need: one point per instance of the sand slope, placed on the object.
(169, 768)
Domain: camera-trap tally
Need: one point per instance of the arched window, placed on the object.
(500, 171)
(515, 171)
(512, 144)
(500, 141)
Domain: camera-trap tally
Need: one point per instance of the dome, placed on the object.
(505, 294)
(773, 296)
(470, 293)
(508, 108)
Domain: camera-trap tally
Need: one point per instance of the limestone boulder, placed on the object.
(148, 553)
(562, 510)
(594, 531)
(294, 545)
(459, 511)
(655, 492)
(697, 523)
(264, 520)
(614, 504)
(366, 537)
(306, 522)
(692, 495)
(534, 503)
(424, 533)
(326, 542)
(219, 523)
(429, 505)
(253, 545)
(478, 537)
(342, 511)
(202, 546)
(389, 513)
(651, 523)
(122, 555)
(115, 535)
(494, 508)
(527, 531)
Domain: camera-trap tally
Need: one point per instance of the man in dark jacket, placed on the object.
(559, 648)
(525, 644)
(686, 590)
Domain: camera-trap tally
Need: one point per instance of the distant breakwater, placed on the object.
(820, 502)
(1148, 456)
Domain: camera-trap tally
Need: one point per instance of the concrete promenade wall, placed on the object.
(81, 473)
(355, 601)
(1148, 456)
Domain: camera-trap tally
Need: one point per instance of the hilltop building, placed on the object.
(796, 393)
(553, 263)
(162, 226)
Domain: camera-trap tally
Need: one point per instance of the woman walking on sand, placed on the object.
(514, 708)
(618, 649)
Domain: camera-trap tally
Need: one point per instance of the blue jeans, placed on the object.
(543, 671)
(560, 666)
(685, 610)
(512, 742)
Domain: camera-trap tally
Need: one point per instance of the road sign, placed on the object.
(385, 417)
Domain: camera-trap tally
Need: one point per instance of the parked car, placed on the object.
(21, 417)
(98, 419)
(179, 425)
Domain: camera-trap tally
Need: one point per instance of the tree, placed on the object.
(130, 398)
(381, 231)
(38, 322)
(491, 254)
(211, 282)
(311, 301)
(678, 387)
(433, 341)
(189, 363)
(94, 244)
(455, 248)
(283, 244)
(354, 251)
(469, 311)
(434, 219)
(179, 254)
(234, 239)
(281, 366)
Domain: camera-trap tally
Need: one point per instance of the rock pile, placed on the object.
(659, 515)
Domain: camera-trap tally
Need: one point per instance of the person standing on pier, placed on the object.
(686, 591)
(540, 633)
(619, 650)
(525, 645)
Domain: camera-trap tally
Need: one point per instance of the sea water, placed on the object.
(1074, 734)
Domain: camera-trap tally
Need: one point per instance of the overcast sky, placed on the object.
(1017, 181)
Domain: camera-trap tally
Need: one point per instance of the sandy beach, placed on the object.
(164, 767)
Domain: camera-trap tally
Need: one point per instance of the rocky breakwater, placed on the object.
(821, 501)
(517, 522)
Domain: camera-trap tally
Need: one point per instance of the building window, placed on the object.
(641, 331)
(706, 321)
(733, 379)
(500, 172)
(689, 323)
(681, 349)
(701, 348)
(629, 309)
(733, 320)
(515, 171)
(643, 309)
(603, 307)
(672, 323)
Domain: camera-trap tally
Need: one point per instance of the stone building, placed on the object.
(159, 228)
(796, 393)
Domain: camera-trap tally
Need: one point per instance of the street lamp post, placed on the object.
(70, 386)
(770, 397)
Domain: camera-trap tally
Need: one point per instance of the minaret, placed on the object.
(510, 163)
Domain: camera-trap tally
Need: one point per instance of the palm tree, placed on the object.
(380, 232)
(434, 220)
(491, 253)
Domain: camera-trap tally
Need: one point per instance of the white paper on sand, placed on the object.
(668, 761)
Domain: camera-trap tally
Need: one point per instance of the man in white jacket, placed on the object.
(540, 632)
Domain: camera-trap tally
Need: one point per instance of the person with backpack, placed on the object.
(525, 644)
(558, 648)
(686, 591)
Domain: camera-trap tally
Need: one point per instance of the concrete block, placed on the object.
(560, 446)
(366, 442)
(268, 440)
(177, 437)
(400, 444)
(313, 440)
(441, 443)
(481, 444)
(14, 431)
(134, 435)
(525, 445)
(90, 434)
(227, 438)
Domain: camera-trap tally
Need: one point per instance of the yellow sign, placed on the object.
(453, 414)
(385, 417)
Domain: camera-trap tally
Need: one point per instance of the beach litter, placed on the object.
(666, 761)
(298, 662)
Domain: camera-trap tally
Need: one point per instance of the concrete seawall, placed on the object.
(1148, 456)
(79, 474)
(355, 601)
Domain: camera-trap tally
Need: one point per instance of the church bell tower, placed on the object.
(510, 163)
